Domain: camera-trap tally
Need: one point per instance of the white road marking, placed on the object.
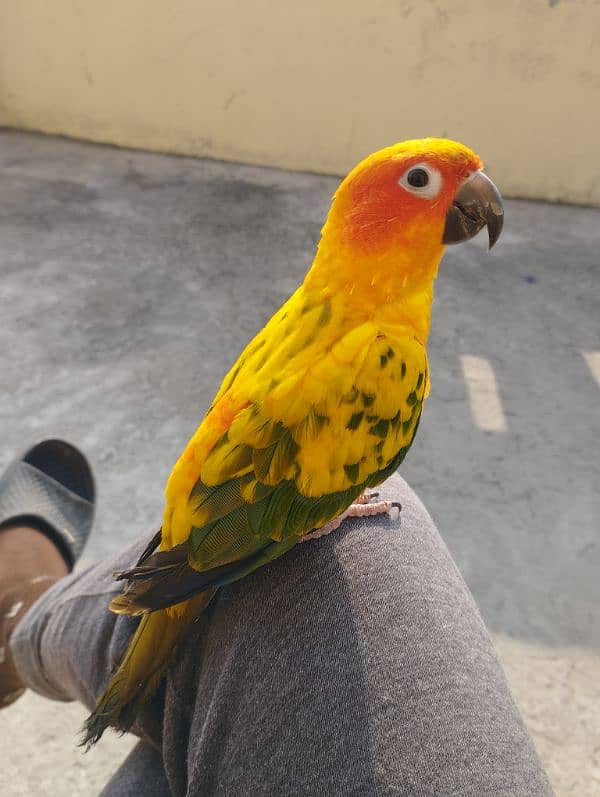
(592, 358)
(486, 406)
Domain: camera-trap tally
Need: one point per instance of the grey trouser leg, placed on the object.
(356, 664)
(141, 775)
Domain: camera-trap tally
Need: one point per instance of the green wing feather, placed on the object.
(255, 509)
(298, 454)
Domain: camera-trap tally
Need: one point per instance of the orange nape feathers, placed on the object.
(373, 211)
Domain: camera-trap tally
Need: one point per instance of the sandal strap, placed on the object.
(27, 493)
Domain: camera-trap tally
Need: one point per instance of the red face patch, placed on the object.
(380, 209)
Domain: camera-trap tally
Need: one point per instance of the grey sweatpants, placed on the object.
(356, 664)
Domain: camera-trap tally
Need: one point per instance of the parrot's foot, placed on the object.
(364, 506)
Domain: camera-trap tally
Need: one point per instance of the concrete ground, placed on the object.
(130, 281)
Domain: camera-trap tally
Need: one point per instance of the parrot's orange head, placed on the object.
(417, 195)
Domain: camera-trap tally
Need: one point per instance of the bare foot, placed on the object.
(29, 564)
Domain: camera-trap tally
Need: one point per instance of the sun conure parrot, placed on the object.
(320, 406)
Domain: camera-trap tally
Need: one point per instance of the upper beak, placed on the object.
(477, 203)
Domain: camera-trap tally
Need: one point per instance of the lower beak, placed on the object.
(477, 203)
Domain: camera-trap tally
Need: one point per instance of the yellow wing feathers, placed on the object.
(313, 402)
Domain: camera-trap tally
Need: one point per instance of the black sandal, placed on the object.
(51, 488)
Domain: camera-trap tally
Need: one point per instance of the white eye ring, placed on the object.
(428, 191)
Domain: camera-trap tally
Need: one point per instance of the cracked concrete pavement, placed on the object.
(130, 281)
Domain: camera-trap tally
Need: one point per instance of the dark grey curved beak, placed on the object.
(477, 203)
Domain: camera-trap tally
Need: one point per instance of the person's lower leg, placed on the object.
(30, 564)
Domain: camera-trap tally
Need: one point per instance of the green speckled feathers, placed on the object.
(293, 452)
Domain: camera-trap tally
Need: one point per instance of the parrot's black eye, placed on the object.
(422, 180)
(417, 178)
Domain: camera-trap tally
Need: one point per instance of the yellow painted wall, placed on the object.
(317, 84)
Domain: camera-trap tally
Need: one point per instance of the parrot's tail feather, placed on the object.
(157, 564)
(146, 660)
(166, 578)
(177, 582)
(151, 547)
(124, 604)
(164, 587)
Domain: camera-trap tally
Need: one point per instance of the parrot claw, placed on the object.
(369, 498)
(366, 498)
(363, 507)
